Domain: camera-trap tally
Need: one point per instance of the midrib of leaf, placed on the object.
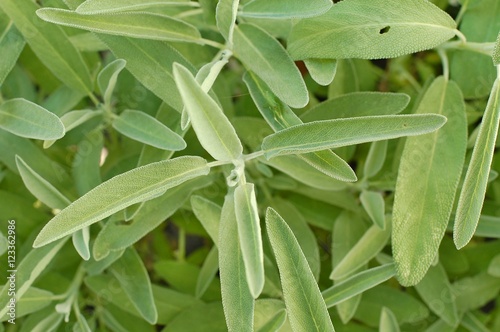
(241, 272)
(48, 42)
(249, 205)
(140, 129)
(261, 56)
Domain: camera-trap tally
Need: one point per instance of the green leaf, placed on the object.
(474, 292)
(86, 166)
(72, 120)
(32, 265)
(134, 279)
(225, 15)
(26, 119)
(357, 284)
(472, 323)
(81, 324)
(357, 104)
(264, 55)
(473, 190)
(371, 30)
(148, 130)
(305, 306)
(200, 317)
(277, 9)
(495, 55)
(208, 271)
(112, 6)
(209, 214)
(237, 299)
(270, 315)
(370, 244)
(430, 168)
(41, 188)
(123, 190)
(212, 127)
(388, 322)
(32, 301)
(279, 116)
(436, 291)
(374, 205)
(494, 267)
(247, 216)
(326, 134)
(322, 71)
(375, 159)
(151, 63)
(129, 24)
(107, 78)
(81, 240)
(51, 45)
(11, 44)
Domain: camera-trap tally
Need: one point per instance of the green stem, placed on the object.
(213, 43)
(181, 250)
(483, 48)
(462, 11)
(94, 99)
(253, 155)
(445, 63)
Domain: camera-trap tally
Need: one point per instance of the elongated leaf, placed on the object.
(375, 159)
(374, 205)
(208, 271)
(107, 78)
(11, 44)
(472, 323)
(436, 291)
(26, 119)
(123, 190)
(388, 322)
(81, 324)
(473, 191)
(51, 45)
(325, 134)
(28, 270)
(34, 300)
(289, 9)
(40, 187)
(148, 130)
(367, 247)
(208, 213)
(112, 6)
(430, 168)
(237, 299)
(305, 305)
(494, 267)
(226, 17)
(495, 55)
(214, 131)
(279, 116)
(371, 30)
(357, 104)
(247, 216)
(134, 279)
(357, 284)
(81, 240)
(474, 292)
(264, 55)
(128, 24)
(322, 71)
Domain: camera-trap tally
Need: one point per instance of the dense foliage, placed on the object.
(259, 165)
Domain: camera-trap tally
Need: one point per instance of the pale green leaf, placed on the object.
(247, 216)
(264, 55)
(374, 205)
(322, 71)
(26, 119)
(11, 44)
(278, 9)
(495, 55)
(86, 164)
(270, 315)
(279, 116)
(31, 266)
(88, 42)
(305, 305)
(148, 130)
(473, 190)
(129, 24)
(73, 119)
(133, 278)
(474, 292)
(3, 244)
(440, 326)
(41, 188)
(123, 190)
(357, 284)
(151, 63)
(106, 80)
(357, 104)
(81, 239)
(371, 30)
(436, 291)
(116, 235)
(34, 300)
(237, 299)
(225, 15)
(494, 267)
(472, 323)
(208, 213)
(214, 131)
(388, 322)
(428, 177)
(81, 324)
(375, 159)
(208, 272)
(111, 6)
(319, 135)
(51, 45)
(370, 244)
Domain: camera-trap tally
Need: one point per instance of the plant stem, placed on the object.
(444, 61)
(213, 43)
